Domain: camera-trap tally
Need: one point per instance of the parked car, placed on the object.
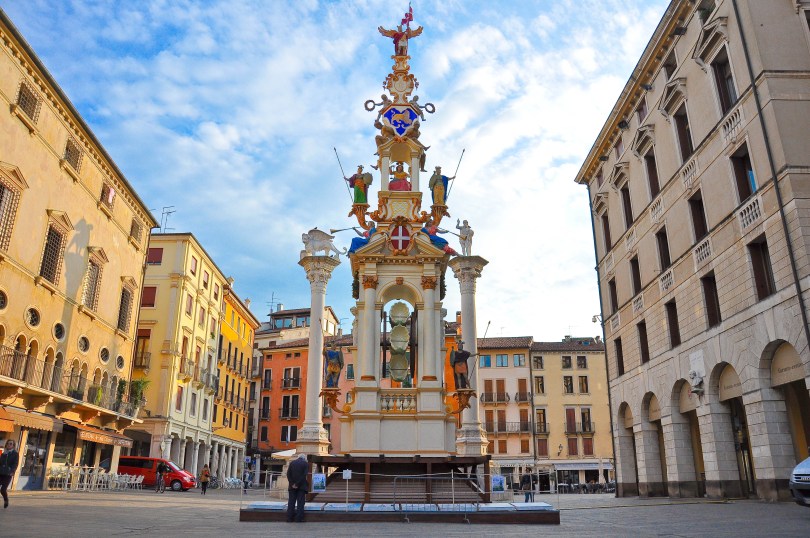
(178, 479)
(800, 483)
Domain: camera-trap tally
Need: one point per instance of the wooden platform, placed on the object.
(493, 513)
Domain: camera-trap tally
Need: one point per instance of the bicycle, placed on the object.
(160, 484)
(213, 483)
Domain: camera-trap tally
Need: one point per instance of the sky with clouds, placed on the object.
(229, 111)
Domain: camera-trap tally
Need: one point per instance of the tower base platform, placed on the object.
(503, 512)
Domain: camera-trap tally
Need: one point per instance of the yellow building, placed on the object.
(73, 234)
(182, 303)
(571, 410)
(230, 419)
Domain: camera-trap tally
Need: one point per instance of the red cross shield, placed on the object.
(400, 238)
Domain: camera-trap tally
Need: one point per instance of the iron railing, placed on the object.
(142, 359)
(494, 397)
(580, 427)
(288, 412)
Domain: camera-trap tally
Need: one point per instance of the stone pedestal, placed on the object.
(472, 439)
(312, 439)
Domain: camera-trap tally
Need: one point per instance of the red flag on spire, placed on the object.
(406, 20)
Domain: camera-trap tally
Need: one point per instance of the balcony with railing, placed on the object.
(186, 370)
(288, 413)
(267, 384)
(291, 383)
(142, 360)
(264, 414)
(523, 397)
(42, 381)
(541, 428)
(524, 426)
(572, 428)
(495, 397)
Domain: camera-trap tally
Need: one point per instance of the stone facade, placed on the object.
(699, 209)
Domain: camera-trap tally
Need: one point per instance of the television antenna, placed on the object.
(273, 302)
(164, 218)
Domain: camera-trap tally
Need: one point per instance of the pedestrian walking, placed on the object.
(8, 465)
(526, 487)
(246, 478)
(297, 477)
(205, 476)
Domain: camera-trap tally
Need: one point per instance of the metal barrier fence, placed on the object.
(447, 492)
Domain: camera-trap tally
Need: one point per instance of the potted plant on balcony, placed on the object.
(95, 394)
(136, 397)
(119, 394)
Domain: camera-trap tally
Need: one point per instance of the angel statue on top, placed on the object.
(400, 36)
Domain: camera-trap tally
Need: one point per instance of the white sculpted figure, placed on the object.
(696, 380)
(353, 310)
(465, 237)
(316, 241)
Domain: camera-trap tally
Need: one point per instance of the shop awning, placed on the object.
(25, 418)
(584, 466)
(97, 435)
(6, 422)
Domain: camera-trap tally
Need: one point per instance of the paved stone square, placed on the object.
(216, 514)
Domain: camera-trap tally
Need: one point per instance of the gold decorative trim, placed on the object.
(370, 282)
(429, 283)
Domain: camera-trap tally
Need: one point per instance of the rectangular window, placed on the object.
(350, 371)
(585, 415)
(542, 448)
(9, 199)
(684, 133)
(619, 147)
(263, 434)
(154, 256)
(193, 265)
(635, 275)
(641, 111)
(652, 173)
(73, 154)
(572, 446)
(539, 385)
(124, 310)
(205, 410)
(519, 360)
(148, 296)
(214, 414)
(28, 101)
(644, 347)
(606, 231)
(582, 362)
(537, 362)
(627, 206)
(672, 323)
(670, 64)
(206, 278)
(502, 447)
(52, 255)
(587, 446)
(216, 292)
(485, 361)
(568, 384)
(617, 345)
(193, 406)
(289, 434)
(599, 178)
(524, 446)
(743, 173)
(501, 360)
(566, 362)
(178, 401)
(724, 79)
(540, 421)
(583, 384)
(201, 317)
(698, 212)
(761, 265)
(663, 249)
(613, 295)
(91, 285)
(711, 299)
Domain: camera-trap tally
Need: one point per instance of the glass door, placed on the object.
(32, 460)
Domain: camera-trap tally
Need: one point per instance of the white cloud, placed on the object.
(229, 111)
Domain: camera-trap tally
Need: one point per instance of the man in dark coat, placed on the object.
(8, 465)
(298, 488)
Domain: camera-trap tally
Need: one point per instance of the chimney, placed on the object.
(280, 307)
(247, 303)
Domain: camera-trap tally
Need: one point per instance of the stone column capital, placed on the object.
(467, 269)
(429, 282)
(370, 282)
(319, 270)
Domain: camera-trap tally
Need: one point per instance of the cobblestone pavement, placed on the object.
(147, 513)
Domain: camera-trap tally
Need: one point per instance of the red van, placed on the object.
(178, 479)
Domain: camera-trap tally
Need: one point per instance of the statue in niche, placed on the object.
(334, 364)
(465, 237)
(458, 361)
(696, 380)
(400, 181)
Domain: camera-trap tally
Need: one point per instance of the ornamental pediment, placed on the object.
(713, 34)
(644, 139)
(674, 95)
(12, 174)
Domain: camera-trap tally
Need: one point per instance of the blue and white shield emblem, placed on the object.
(400, 118)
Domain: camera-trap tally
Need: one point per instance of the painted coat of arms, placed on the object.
(400, 118)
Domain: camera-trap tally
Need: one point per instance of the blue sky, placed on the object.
(229, 111)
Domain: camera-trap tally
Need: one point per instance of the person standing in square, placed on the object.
(297, 489)
(8, 465)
